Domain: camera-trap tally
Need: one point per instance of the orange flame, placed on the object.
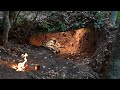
(21, 66)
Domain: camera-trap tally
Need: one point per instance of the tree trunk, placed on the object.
(6, 27)
(114, 17)
(12, 17)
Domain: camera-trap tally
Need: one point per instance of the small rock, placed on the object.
(68, 58)
(64, 67)
(56, 67)
(43, 66)
(66, 62)
(74, 66)
(40, 53)
(106, 49)
(45, 57)
(63, 75)
(35, 57)
(48, 68)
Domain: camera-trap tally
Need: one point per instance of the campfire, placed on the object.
(22, 66)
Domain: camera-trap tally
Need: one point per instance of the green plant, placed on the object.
(100, 18)
(118, 15)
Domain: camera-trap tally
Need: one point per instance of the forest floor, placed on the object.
(52, 66)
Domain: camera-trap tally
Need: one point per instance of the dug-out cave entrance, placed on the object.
(82, 42)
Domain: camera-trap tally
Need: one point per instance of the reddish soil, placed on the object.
(70, 42)
(89, 63)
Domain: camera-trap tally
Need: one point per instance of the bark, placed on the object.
(114, 17)
(6, 27)
(12, 16)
